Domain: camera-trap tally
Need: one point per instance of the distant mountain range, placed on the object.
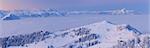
(97, 35)
(19, 14)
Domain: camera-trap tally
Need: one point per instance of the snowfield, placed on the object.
(97, 35)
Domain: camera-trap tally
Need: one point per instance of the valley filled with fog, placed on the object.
(57, 23)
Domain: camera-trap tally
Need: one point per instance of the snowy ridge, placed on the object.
(21, 14)
(3, 13)
(97, 35)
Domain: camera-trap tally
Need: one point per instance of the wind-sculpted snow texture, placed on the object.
(97, 35)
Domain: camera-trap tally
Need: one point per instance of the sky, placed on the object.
(141, 5)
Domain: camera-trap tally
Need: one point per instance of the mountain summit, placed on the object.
(97, 35)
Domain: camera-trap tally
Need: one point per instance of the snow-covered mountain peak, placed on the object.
(108, 33)
(106, 26)
(102, 23)
(106, 22)
(97, 35)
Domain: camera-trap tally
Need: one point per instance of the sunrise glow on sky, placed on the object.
(104, 4)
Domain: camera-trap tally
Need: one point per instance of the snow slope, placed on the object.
(97, 35)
